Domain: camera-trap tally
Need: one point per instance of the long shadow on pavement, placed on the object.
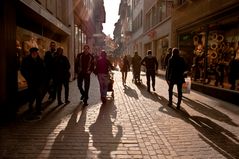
(219, 138)
(105, 134)
(130, 92)
(208, 110)
(214, 135)
(145, 93)
(72, 142)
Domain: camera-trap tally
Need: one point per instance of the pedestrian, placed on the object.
(48, 60)
(125, 67)
(234, 71)
(175, 75)
(61, 75)
(84, 66)
(136, 65)
(103, 66)
(168, 55)
(33, 70)
(151, 64)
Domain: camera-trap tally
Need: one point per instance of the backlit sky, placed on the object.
(111, 9)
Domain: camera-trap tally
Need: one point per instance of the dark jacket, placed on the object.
(136, 62)
(61, 67)
(125, 66)
(150, 62)
(175, 69)
(84, 63)
(48, 60)
(234, 70)
(33, 70)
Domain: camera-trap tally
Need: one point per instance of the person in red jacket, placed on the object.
(103, 66)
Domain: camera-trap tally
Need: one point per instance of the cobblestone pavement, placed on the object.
(133, 124)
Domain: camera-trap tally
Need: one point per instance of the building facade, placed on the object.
(208, 36)
(26, 24)
(148, 27)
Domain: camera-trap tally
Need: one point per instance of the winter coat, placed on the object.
(84, 63)
(175, 69)
(150, 62)
(33, 70)
(61, 67)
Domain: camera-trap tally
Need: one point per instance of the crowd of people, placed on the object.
(44, 76)
(49, 75)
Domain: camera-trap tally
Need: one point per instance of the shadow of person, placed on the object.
(105, 134)
(208, 111)
(73, 139)
(214, 135)
(130, 92)
(144, 92)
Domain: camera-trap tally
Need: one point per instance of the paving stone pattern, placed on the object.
(132, 124)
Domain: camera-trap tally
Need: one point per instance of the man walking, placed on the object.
(175, 75)
(151, 64)
(48, 60)
(136, 64)
(33, 70)
(61, 75)
(84, 65)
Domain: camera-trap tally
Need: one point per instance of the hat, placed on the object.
(33, 49)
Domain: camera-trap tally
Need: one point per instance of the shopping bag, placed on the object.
(186, 88)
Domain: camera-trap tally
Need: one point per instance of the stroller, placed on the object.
(111, 83)
(136, 76)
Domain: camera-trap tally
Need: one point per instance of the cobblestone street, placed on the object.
(132, 124)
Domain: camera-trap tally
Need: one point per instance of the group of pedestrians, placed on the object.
(85, 64)
(175, 68)
(52, 72)
(46, 75)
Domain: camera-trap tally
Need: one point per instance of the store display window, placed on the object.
(216, 58)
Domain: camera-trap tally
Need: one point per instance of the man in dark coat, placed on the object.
(136, 64)
(61, 75)
(33, 71)
(151, 64)
(48, 60)
(175, 75)
(168, 55)
(234, 72)
(84, 66)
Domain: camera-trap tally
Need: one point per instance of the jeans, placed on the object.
(84, 77)
(103, 81)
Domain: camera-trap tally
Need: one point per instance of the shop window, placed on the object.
(214, 66)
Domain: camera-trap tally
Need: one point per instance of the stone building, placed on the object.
(25, 24)
(208, 36)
